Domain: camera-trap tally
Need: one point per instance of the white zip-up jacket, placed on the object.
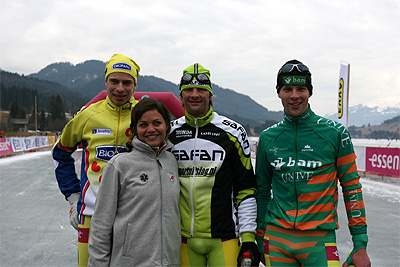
(136, 218)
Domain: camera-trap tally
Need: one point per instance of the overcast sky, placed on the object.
(242, 42)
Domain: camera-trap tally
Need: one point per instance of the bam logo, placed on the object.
(278, 163)
(299, 80)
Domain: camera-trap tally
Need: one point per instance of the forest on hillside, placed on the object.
(48, 106)
(22, 104)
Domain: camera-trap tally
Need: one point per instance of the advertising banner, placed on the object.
(13, 145)
(18, 144)
(383, 160)
(5, 146)
(42, 141)
(32, 142)
(51, 140)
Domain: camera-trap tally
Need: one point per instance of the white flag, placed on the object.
(343, 100)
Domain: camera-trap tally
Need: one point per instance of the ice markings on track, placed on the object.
(386, 191)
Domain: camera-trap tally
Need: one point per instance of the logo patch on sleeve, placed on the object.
(171, 177)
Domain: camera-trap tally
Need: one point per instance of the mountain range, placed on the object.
(77, 84)
(361, 116)
(87, 78)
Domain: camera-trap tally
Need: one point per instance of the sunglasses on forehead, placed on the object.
(289, 68)
(200, 77)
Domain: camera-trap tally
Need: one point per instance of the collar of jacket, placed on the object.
(126, 106)
(138, 144)
(200, 121)
(299, 120)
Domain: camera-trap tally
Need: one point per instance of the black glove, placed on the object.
(255, 254)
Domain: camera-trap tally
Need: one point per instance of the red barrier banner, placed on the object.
(5, 146)
(383, 160)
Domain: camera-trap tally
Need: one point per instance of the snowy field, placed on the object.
(376, 142)
(35, 229)
(363, 142)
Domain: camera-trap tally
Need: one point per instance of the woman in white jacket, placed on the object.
(136, 220)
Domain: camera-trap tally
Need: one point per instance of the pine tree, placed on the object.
(56, 108)
(16, 112)
(56, 120)
(42, 121)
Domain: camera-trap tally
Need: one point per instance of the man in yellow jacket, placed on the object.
(103, 129)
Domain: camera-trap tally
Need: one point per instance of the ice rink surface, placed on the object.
(35, 229)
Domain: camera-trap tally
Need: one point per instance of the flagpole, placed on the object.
(36, 115)
(348, 90)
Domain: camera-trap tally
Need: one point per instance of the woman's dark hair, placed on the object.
(145, 105)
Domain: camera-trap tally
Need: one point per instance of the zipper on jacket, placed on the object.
(194, 176)
(162, 208)
(119, 120)
(159, 163)
(294, 176)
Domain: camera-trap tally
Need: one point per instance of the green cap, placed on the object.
(194, 83)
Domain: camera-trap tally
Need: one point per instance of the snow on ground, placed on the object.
(376, 142)
(378, 189)
(362, 142)
(24, 156)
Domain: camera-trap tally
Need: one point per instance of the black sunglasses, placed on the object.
(289, 68)
(200, 77)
